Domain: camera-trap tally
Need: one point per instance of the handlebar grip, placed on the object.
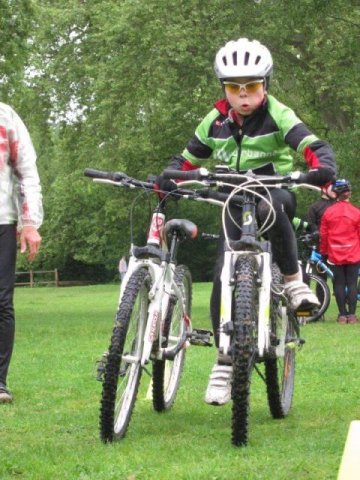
(298, 177)
(92, 173)
(186, 175)
(222, 197)
(113, 176)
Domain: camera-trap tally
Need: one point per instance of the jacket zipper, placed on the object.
(239, 150)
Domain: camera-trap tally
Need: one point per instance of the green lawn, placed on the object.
(51, 429)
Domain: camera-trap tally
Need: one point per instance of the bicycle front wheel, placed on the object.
(123, 366)
(321, 289)
(246, 307)
(167, 373)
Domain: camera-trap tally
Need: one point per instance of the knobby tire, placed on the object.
(280, 371)
(121, 379)
(246, 307)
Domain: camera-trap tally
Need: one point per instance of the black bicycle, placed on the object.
(257, 327)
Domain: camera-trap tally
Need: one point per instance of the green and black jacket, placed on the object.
(266, 136)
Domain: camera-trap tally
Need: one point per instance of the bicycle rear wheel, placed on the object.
(123, 366)
(244, 341)
(321, 289)
(167, 373)
(280, 368)
(280, 376)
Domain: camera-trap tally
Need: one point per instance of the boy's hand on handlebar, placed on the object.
(163, 185)
(317, 177)
(298, 177)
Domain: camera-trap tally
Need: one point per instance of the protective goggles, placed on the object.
(249, 87)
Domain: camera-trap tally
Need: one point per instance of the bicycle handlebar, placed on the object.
(309, 238)
(198, 174)
(117, 178)
(203, 174)
(112, 176)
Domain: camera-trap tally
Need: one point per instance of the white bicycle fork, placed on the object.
(226, 305)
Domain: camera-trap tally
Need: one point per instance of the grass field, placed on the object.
(51, 429)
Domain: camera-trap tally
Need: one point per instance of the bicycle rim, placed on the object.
(280, 374)
(167, 373)
(123, 368)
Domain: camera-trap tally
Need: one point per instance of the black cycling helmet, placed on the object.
(341, 186)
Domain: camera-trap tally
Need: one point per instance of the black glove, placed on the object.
(319, 177)
(163, 185)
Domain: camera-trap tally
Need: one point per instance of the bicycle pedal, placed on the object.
(295, 342)
(306, 310)
(303, 313)
(100, 367)
(201, 338)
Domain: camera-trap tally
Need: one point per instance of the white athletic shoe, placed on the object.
(300, 295)
(218, 391)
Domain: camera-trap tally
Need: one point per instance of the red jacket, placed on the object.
(340, 233)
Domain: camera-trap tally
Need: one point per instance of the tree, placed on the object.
(15, 26)
(121, 85)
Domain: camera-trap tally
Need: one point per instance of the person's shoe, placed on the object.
(5, 395)
(342, 319)
(218, 391)
(300, 296)
(352, 319)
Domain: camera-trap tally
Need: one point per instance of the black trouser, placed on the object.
(7, 280)
(345, 287)
(281, 236)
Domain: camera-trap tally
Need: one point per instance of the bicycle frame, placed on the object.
(247, 245)
(263, 258)
(162, 274)
(317, 260)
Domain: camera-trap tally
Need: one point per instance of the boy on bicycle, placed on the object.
(250, 129)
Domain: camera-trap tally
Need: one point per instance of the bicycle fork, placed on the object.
(264, 262)
(226, 305)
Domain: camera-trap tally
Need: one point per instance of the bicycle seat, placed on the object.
(184, 227)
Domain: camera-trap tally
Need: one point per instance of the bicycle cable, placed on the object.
(132, 209)
(249, 187)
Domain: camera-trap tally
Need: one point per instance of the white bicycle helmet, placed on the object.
(243, 58)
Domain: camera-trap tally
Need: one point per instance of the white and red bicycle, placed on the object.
(257, 328)
(152, 323)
